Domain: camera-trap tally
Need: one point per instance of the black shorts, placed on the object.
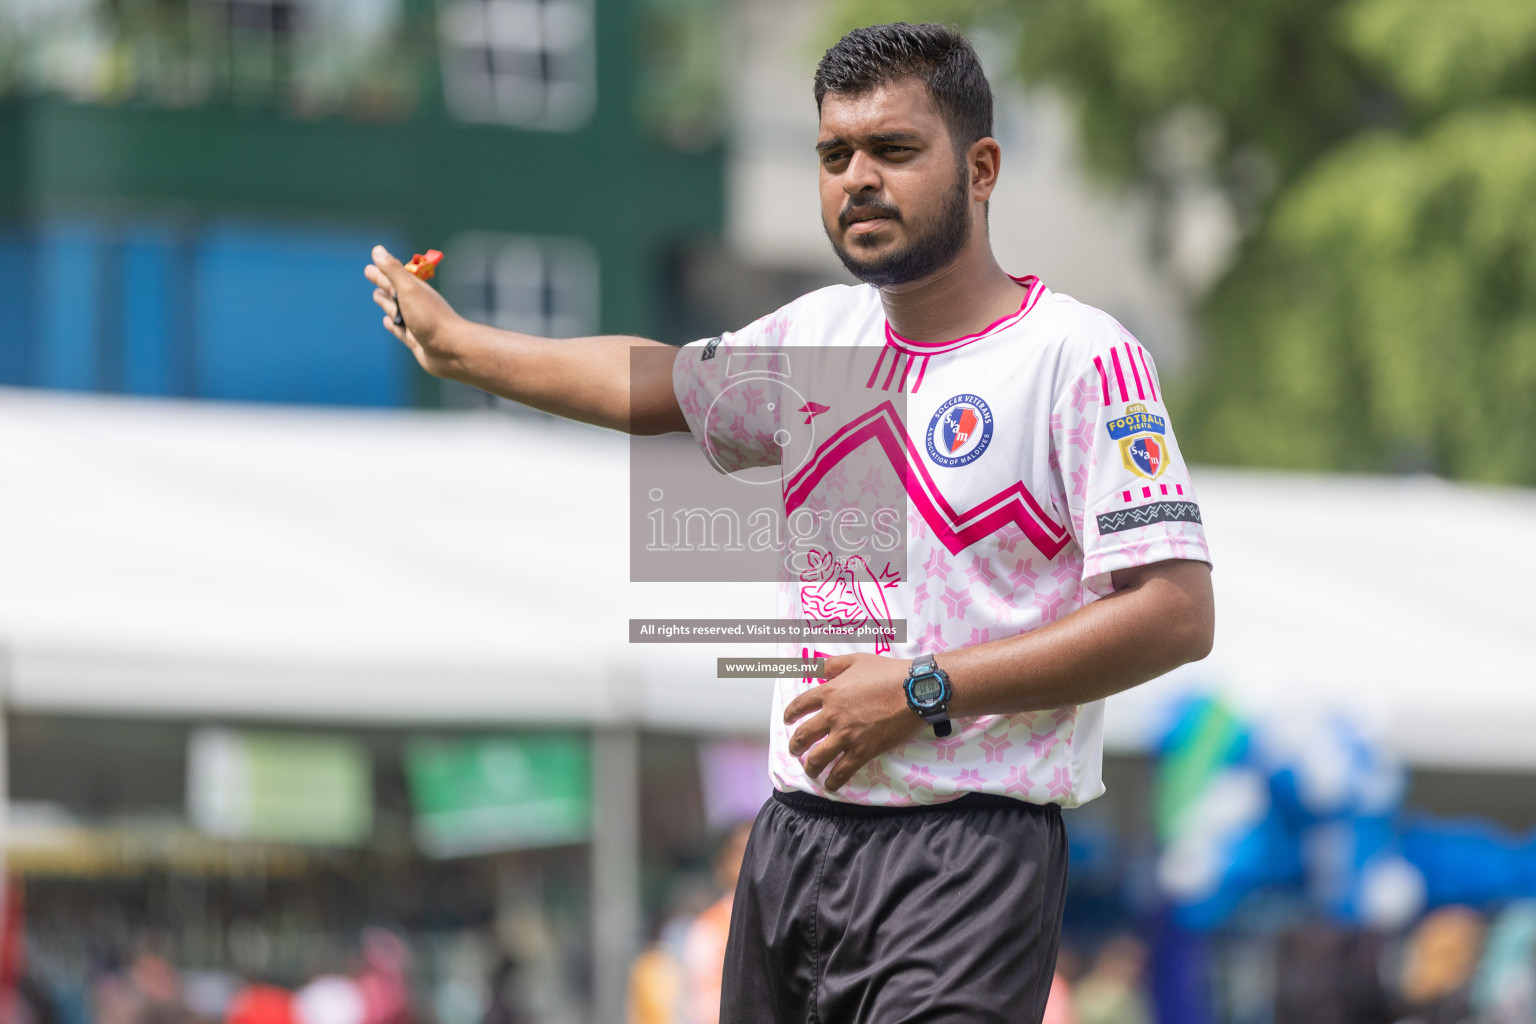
(877, 915)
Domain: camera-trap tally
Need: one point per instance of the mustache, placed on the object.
(865, 209)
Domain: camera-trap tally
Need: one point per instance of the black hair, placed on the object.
(941, 57)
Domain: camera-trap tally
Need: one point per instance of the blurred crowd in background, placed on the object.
(1317, 214)
(1455, 966)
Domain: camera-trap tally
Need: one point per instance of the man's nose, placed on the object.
(862, 175)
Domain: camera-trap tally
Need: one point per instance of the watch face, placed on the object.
(927, 689)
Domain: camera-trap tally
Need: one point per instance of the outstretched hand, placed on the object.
(428, 317)
(859, 713)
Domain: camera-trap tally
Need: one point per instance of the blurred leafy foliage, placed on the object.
(680, 92)
(1380, 313)
(371, 60)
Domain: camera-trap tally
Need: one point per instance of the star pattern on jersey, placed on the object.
(956, 601)
(1083, 394)
(945, 748)
(1080, 482)
(1082, 435)
(969, 778)
(995, 746)
(777, 329)
(1040, 743)
(1018, 781)
(838, 478)
(1049, 603)
(1023, 577)
(936, 566)
(919, 598)
(980, 572)
(876, 774)
(754, 398)
(920, 777)
(932, 641)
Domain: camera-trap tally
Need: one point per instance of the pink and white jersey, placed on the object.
(1037, 460)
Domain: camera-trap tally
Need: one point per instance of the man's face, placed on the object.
(895, 196)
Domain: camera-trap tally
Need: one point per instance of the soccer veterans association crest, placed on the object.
(960, 431)
(1142, 447)
(1144, 455)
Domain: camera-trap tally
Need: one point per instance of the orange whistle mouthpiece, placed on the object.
(425, 266)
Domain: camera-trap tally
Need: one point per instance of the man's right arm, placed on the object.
(613, 381)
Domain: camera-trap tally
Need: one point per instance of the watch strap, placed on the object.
(923, 665)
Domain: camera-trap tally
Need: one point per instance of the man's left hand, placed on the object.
(860, 712)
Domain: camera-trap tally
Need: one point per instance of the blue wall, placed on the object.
(68, 264)
(230, 310)
(154, 300)
(15, 308)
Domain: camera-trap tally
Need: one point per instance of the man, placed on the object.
(912, 863)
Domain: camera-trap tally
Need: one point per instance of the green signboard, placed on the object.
(485, 794)
(280, 786)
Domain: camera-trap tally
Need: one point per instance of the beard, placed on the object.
(933, 247)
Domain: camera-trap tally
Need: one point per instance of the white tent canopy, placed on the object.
(218, 561)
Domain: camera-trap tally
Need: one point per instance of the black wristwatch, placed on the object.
(928, 693)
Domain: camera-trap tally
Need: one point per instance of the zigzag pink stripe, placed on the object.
(862, 424)
(1014, 504)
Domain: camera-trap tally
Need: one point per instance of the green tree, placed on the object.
(1381, 311)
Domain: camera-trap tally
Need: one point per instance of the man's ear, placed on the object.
(984, 160)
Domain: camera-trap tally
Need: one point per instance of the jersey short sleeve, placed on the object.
(727, 388)
(1131, 499)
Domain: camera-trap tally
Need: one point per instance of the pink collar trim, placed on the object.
(1033, 289)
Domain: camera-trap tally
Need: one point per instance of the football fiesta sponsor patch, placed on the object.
(960, 431)
(1140, 436)
(1136, 421)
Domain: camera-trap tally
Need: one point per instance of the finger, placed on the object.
(808, 734)
(395, 329)
(846, 767)
(390, 267)
(390, 304)
(375, 275)
(821, 755)
(810, 700)
(836, 665)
